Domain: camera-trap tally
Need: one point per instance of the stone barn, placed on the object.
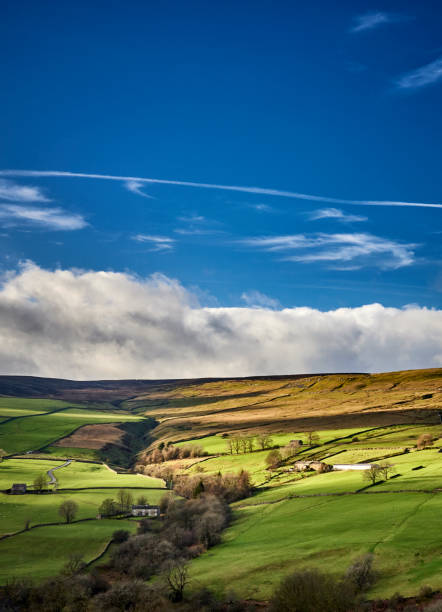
(18, 489)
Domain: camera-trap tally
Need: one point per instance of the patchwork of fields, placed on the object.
(292, 520)
(42, 550)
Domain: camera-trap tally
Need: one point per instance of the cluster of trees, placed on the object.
(168, 452)
(91, 592)
(229, 487)
(247, 443)
(121, 505)
(380, 471)
(189, 527)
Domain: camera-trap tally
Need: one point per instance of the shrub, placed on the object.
(311, 591)
(120, 535)
(360, 573)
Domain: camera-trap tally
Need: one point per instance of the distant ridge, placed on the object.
(99, 390)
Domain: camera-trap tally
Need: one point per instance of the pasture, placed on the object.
(268, 541)
(42, 552)
(35, 432)
(74, 475)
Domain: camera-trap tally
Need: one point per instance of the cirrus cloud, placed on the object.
(362, 249)
(89, 325)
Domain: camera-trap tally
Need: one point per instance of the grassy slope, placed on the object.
(17, 406)
(267, 541)
(16, 509)
(42, 552)
(75, 475)
(16, 557)
(292, 404)
(31, 433)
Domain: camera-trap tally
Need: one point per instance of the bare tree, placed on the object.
(243, 444)
(74, 565)
(3, 453)
(312, 438)
(250, 443)
(372, 474)
(40, 483)
(386, 469)
(68, 510)
(125, 500)
(176, 574)
(424, 440)
(142, 500)
(229, 443)
(273, 459)
(264, 440)
(236, 444)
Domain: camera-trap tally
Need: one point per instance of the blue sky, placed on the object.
(340, 102)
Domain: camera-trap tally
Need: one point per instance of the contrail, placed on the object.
(255, 190)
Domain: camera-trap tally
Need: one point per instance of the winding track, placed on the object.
(51, 471)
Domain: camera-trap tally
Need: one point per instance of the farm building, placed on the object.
(317, 466)
(146, 510)
(18, 489)
(352, 466)
(296, 443)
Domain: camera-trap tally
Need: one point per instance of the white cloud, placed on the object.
(335, 213)
(254, 190)
(92, 325)
(369, 21)
(48, 218)
(361, 249)
(425, 75)
(135, 187)
(256, 299)
(20, 193)
(159, 243)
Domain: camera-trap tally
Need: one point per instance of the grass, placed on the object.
(291, 404)
(71, 453)
(17, 406)
(73, 476)
(15, 510)
(217, 444)
(33, 433)
(266, 542)
(42, 552)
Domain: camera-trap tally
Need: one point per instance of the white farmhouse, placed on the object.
(146, 510)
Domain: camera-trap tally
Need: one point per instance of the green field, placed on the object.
(42, 552)
(268, 541)
(40, 509)
(32, 433)
(73, 476)
(17, 406)
(358, 418)
(70, 453)
(16, 510)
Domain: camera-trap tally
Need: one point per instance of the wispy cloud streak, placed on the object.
(372, 20)
(335, 213)
(20, 193)
(159, 243)
(361, 248)
(135, 187)
(255, 190)
(423, 76)
(48, 218)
